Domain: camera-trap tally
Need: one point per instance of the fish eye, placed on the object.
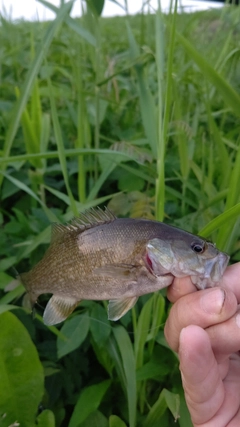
(198, 248)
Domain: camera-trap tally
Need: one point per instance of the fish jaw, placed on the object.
(214, 272)
(178, 258)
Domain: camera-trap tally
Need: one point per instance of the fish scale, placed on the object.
(101, 257)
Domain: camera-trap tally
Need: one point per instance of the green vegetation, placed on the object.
(141, 114)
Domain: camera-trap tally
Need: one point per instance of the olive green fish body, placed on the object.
(101, 257)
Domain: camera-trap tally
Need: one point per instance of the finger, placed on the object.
(225, 337)
(231, 279)
(180, 287)
(203, 308)
(201, 379)
(228, 414)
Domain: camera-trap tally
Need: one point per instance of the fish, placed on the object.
(99, 256)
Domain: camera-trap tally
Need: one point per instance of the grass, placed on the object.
(137, 113)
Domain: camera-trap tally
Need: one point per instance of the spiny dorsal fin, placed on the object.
(88, 219)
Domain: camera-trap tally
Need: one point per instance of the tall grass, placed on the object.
(130, 113)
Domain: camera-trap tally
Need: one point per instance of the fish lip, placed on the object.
(214, 269)
(219, 265)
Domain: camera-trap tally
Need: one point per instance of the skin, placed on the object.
(204, 328)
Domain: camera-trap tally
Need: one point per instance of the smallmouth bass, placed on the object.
(101, 257)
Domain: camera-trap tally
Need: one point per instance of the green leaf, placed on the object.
(166, 400)
(46, 419)
(75, 26)
(61, 148)
(21, 374)
(76, 330)
(5, 279)
(12, 295)
(28, 190)
(95, 419)
(30, 79)
(149, 370)
(7, 262)
(99, 326)
(142, 331)
(115, 421)
(217, 222)
(148, 111)
(129, 368)
(231, 98)
(89, 400)
(7, 307)
(96, 6)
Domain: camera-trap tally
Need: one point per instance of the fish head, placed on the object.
(189, 256)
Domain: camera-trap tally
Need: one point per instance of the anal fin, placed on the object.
(118, 307)
(58, 309)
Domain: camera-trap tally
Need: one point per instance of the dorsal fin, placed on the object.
(88, 219)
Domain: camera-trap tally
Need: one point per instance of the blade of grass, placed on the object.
(232, 199)
(148, 112)
(163, 123)
(61, 149)
(75, 26)
(230, 96)
(128, 362)
(81, 129)
(220, 220)
(30, 79)
(27, 190)
(68, 153)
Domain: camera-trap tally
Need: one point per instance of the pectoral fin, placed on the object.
(58, 309)
(118, 307)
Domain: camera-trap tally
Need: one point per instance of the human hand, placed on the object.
(204, 327)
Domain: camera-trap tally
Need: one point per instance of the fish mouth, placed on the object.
(213, 271)
(218, 267)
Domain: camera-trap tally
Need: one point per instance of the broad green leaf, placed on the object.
(95, 419)
(115, 421)
(21, 374)
(96, 6)
(75, 330)
(99, 325)
(149, 370)
(103, 357)
(89, 400)
(46, 419)
(166, 400)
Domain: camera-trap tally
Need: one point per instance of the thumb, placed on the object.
(201, 378)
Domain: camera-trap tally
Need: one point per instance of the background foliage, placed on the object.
(137, 113)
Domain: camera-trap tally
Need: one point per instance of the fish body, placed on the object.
(101, 257)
